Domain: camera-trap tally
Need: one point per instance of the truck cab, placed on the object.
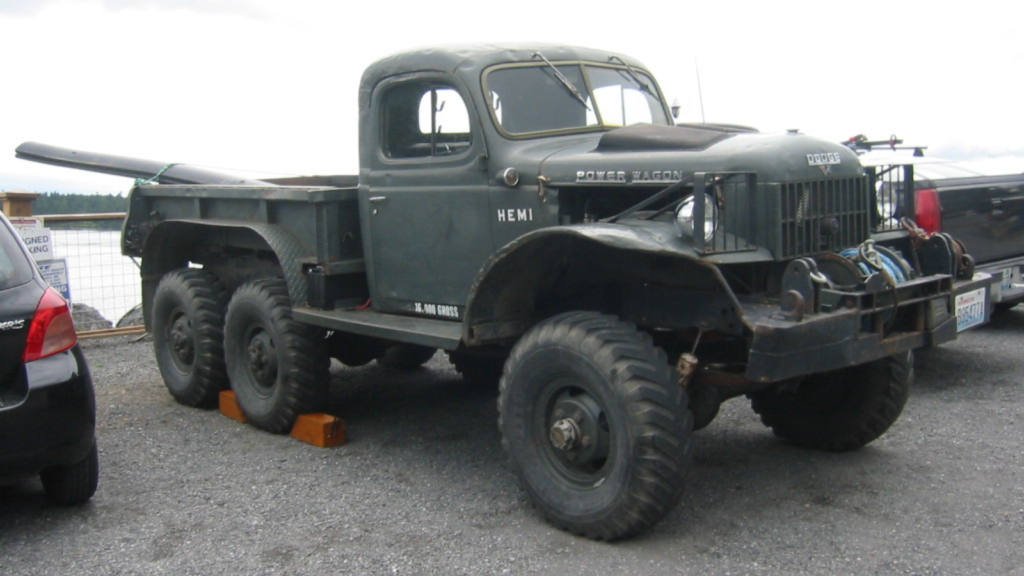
(454, 148)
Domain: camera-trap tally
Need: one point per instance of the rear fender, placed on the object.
(174, 244)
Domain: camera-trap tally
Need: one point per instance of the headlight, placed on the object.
(684, 217)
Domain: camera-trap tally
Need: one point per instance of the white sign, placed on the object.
(24, 223)
(39, 242)
(55, 272)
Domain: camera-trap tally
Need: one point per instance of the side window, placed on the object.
(15, 267)
(424, 120)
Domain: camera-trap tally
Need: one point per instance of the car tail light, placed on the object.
(929, 210)
(52, 329)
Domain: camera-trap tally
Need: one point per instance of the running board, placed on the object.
(423, 331)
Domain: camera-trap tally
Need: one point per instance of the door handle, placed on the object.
(375, 203)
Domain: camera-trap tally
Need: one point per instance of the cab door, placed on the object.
(424, 199)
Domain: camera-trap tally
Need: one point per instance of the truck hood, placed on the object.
(647, 154)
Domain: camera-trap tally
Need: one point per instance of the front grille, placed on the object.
(822, 216)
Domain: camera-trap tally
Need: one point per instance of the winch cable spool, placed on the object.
(871, 259)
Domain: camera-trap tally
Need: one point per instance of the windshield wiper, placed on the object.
(565, 81)
(636, 77)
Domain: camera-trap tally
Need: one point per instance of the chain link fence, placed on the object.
(104, 285)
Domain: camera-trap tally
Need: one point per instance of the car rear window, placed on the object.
(15, 266)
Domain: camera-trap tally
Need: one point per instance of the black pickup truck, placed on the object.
(985, 213)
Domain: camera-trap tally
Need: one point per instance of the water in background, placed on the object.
(98, 274)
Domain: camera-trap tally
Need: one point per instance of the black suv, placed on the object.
(47, 404)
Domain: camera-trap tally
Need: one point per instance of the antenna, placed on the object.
(700, 92)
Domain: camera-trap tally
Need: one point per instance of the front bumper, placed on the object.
(848, 327)
(1008, 280)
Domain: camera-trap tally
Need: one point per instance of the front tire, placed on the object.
(277, 366)
(188, 335)
(595, 426)
(841, 410)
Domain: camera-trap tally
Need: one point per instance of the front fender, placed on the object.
(588, 265)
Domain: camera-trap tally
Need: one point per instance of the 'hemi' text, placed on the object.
(515, 215)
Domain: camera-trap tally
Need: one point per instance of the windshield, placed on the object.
(547, 97)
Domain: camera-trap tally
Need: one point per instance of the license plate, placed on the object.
(1010, 279)
(971, 308)
(1007, 281)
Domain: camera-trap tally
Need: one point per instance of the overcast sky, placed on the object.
(270, 86)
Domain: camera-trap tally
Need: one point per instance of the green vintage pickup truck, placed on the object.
(534, 212)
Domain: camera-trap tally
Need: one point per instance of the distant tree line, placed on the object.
(58, 203)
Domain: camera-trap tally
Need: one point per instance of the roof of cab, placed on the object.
(473, 57)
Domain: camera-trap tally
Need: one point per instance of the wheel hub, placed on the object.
(181, 340)
(565, 434)
(262, 359)
(578, 432)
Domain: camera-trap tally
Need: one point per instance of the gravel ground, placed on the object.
(422, 487)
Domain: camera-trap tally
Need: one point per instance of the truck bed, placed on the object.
(323, 219)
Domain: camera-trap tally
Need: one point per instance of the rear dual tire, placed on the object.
(188, 335)
(278, 367)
